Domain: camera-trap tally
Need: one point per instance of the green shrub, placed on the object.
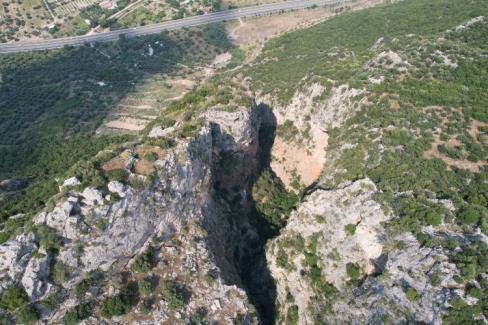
(320, 219)
(162, 142)
(94, 279)
(105, 156)
(469, 215)
(287, 131)
(353, 271)
(150, 156)
(27, 314)
(350, 229)
(118, 305)
(165, 122)
(272, 199)
(145, 287)
(292, 316)
(462, 313)
(216, 35)
(88, 173)
(48, 238)
(114, 197)
(435, 279)
(144, 262)
(13, 298)
(433, 218)
(198, 317)
(59, 273)
(475, 292)
(146, 306)
(52, 301)
(321, 286)
(238, 57)
(175, 294)
(5, 236)
(118, 174)
(412, 294)
(282, 260)
(77, 314)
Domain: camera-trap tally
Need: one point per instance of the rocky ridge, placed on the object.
(172, 213)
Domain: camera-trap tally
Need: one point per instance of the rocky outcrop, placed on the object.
(64, 218)
(36, 275)
(338, 227)
(101, 233)
(15, 255)
(335, 239)
(92, 196)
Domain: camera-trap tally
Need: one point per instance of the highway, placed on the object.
(26, 46)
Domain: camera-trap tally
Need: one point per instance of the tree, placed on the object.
(469, 215)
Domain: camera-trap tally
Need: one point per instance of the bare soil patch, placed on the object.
(128, 123)
(474, 129)
(114, 163)
(305, 162)
(144, 167)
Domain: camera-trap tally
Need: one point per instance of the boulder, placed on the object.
(117, 187)
(92, 196)
(158, 132)
(73, 181)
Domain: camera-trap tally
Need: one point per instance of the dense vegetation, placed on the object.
(52, 102)
(421, 134)
(272, 200)
(314, 51)
(15, 299)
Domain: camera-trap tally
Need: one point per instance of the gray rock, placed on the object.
(92, 196)
(64, 218)
(73, 181)
(158, 131)
(15, 255)
(117, 187)
(35, 277)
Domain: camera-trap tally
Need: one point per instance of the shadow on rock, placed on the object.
(237, 231)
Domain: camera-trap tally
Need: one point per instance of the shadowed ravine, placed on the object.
(236, 173)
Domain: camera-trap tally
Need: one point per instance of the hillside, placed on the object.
(337, 174)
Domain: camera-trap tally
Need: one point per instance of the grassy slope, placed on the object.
(397, 162)
(301, 54)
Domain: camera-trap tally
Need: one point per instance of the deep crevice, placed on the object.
(235, 174)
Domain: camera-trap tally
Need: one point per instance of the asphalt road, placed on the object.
(169, 25)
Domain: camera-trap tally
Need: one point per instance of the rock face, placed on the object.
(92, 196)
(35, 278)
(329, 214)
(64, 218)
(14, 258)
(101, 234)
(299, 149)
(335, 237)
(116, 187)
